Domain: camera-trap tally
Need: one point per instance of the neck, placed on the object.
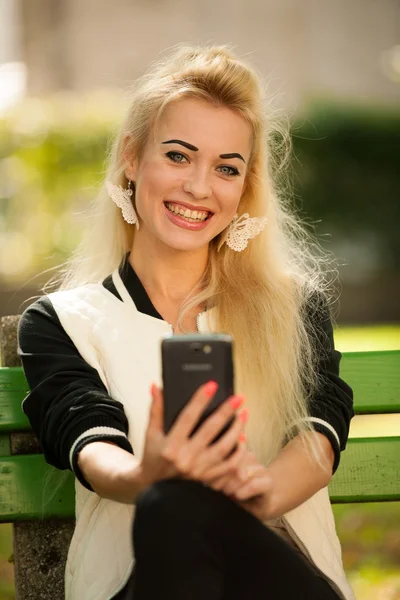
(166, 273)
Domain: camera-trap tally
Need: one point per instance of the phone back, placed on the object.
(188, 361)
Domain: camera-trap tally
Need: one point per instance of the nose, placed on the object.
(198, 185)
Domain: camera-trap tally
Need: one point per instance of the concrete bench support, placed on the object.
(41, 546)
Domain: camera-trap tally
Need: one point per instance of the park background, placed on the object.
(334, 69)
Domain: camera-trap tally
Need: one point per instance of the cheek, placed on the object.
(232, 197)
(156, 182)
(149, 187)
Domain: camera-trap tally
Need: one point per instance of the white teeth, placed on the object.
(191, 215)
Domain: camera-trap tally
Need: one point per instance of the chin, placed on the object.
(185, 245)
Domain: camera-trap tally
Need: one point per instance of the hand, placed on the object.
(251, 486)
(177, 455)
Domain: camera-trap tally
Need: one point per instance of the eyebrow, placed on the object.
(194, 149)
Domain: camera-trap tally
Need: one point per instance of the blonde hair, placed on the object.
(259, 295)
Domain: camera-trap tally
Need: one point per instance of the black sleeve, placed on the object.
(331, 405)
(68, 405)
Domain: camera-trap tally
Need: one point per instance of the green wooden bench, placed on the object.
(33, 492)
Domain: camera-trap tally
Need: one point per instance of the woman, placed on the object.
(189, 234)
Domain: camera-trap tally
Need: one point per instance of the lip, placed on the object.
(180, 221)
(190, 206)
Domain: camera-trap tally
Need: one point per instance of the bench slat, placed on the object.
(5, 445)
(30, 488)
(13, 389)
(12, 417)
(369, 471)
(12, 378)
(375, 379)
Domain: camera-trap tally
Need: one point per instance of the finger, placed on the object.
(213, 425)
(220, 483)
(240, 474)
(156, 417)
(191, 413)
(253, 487)
(245, 475)
(217, 453)
(200, 444)
(233, 481)
(232, 485)
(231, 465)
(193, 462)
(249, 470)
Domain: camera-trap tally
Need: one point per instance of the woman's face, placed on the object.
(190, 177)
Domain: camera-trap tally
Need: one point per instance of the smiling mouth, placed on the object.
(192, 216)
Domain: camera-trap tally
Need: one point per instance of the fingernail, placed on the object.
(236, 401)
(210, 388)
(244, 415)
(242, 438)
(153, 389)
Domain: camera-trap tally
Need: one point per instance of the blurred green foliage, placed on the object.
(369, 534)
(52, 161)
(346, 165)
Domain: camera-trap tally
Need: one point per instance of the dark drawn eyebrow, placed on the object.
(232, 155)
(194, 149)
(186, 144)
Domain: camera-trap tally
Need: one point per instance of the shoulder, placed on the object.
(46, 314)
(318, 322)
(85, 305)
(43, 310)
(91, 293)
(39, 316)
(40, 331)
(317, 313)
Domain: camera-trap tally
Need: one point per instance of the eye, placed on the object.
(230, 171)
(176, 157)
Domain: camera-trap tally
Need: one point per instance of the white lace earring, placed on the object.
(122, 199)
(241, 230)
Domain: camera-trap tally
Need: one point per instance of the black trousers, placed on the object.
(192, 543)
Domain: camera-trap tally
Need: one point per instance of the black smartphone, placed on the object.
(189, 361)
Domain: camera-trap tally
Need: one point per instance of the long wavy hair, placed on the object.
(259, 295)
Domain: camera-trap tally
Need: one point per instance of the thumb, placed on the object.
(156, 419)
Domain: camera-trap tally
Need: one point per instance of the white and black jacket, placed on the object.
(89, 356)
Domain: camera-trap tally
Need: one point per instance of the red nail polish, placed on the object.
(236, 401)
(244, 415)
(242, 438)
(210, 388)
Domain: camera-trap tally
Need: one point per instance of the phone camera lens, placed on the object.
(196, 347)
(207, 349)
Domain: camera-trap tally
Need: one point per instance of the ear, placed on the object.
(130, 160)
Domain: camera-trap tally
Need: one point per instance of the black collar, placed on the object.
(135, 288)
